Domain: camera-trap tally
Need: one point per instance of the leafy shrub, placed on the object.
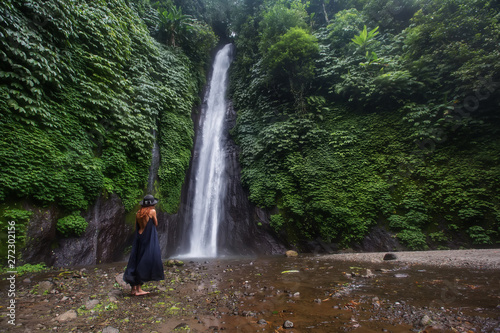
(27, 268)
(478, 235)
(72, 225)
(277, 221)
(438, 236)
(413, 239)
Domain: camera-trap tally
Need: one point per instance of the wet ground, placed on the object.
(271, 294)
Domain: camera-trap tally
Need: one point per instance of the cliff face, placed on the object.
(104, 240)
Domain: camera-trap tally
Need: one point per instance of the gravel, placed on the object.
(484, 259)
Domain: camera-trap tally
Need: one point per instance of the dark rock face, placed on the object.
(40, 234)
(103, 241)
(379, 240)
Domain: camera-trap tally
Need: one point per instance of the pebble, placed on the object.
(401, 275)
(66, 316)
(426, 320)
(91, 304)
(262, 322)
(110, 329)
(288, 324)
(45, 286)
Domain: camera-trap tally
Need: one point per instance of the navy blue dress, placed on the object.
(145, 262)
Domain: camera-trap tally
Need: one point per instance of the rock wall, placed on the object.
(104, 240)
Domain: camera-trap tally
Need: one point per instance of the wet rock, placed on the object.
(317, 300)
(45, 287)
(291, 253)
(401, 275)
(173, 262)
(262, 322)
(91, 304)
(182, 327)
(67, 316)
(119, 280)
(369, 274)
(27, 280)
(390, 256)
(110, 329)
(104, 239)
(248, 314)
(287, 324)
(426, 320)
(379, 239)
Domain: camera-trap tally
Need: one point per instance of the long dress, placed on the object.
(144, 263)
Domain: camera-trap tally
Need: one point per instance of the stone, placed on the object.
(390, 256)
(426, 320)
(45, 287)
(287, 324)
(369, 274)
(401, 275)
(262, 322)
(182, 327)
(174, 262)
(91, 304)
(291, 253)
(110, 329)
(119, 280)
(66, 316)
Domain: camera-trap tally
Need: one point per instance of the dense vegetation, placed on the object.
(351, 113)
(85, 90)
(357, 113)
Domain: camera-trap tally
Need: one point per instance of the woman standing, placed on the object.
(145, 262)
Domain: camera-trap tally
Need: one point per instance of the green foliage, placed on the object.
(84, 87)
(173, 23)
(278, 19)
(365, 37)
(72, 225)
(413, 239)
(13, 222)
(26, 268)
(479, 235)
(397, 124)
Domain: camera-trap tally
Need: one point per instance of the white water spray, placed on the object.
(210, 187)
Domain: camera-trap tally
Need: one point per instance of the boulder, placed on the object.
(390, 256)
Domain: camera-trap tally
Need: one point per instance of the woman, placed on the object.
(145, 262)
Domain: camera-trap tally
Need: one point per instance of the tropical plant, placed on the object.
(173, 24)
(365, 37)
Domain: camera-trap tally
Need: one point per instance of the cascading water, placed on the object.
(207, 209)
(155, 164)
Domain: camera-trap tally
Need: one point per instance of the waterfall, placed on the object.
(207, 208)
(155, 164)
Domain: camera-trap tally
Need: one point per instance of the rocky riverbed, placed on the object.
(334, 293)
